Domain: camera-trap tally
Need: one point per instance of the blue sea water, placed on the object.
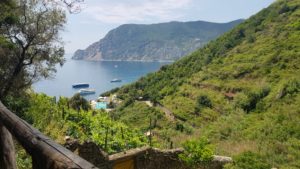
(97, 74)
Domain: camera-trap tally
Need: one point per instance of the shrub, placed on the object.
(202, 102)
(249, 100)
(248, 160)
(77, 102)
(197, 152)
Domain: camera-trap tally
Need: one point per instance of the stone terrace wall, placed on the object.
(142, 158)
(152, 158)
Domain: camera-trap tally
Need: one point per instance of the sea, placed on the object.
(97, 73)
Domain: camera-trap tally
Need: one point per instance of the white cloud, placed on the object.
(138, 11)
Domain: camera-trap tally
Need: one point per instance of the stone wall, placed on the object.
(141, 158)
(152, 158)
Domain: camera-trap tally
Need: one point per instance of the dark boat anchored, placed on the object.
(80, 85)
(116, 80)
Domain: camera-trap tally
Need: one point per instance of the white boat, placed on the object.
(116, 80)
(87, 91)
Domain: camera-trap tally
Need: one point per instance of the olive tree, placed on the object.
(73, 6)
(30, 48)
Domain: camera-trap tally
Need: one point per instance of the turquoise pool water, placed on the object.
(101, 105)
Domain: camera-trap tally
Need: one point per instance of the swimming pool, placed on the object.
(101, 105)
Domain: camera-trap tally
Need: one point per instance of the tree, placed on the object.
(7, 159)
(32, 46)
(77, 102)
(74, 6)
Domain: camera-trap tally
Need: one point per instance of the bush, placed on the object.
(202, 102)
(77, 102)
(18, 105)
(248, 160)
(249, 100)
(197, 152)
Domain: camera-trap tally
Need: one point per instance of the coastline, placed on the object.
(106, 60)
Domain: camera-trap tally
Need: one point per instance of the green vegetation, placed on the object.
(249, 160)
(142, 116)
(77, 102)
(241, 91)
(23, 159)
(197, 152)
(30, 47)
(58, 119)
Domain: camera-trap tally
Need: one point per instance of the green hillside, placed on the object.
(241, 91)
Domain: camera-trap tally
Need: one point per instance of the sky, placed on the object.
(97, 17)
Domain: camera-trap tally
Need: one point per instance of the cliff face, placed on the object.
(164, 41)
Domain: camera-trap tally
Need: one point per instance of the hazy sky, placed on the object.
(100, 16)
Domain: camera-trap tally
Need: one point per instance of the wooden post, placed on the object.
(7, 150)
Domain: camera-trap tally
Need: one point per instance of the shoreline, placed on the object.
(160, 61)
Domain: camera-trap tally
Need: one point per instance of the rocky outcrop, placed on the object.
(155, 42)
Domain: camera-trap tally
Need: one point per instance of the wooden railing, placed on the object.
(45, 153)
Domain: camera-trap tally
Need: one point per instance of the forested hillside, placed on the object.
(241, 91)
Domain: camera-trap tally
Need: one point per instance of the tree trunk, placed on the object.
(7, 150)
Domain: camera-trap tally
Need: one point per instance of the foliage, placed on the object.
(249, 160)
(57, 120)
(142, 114)
(32, 46)
(256, 65)
(7, 15)
(78, 102)
(203, 101)
(240, 90)
(18, 105)
(197, 152)
(24, 161)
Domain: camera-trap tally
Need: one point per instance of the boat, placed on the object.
(86, 91)
(116, 80)
(80, 85)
